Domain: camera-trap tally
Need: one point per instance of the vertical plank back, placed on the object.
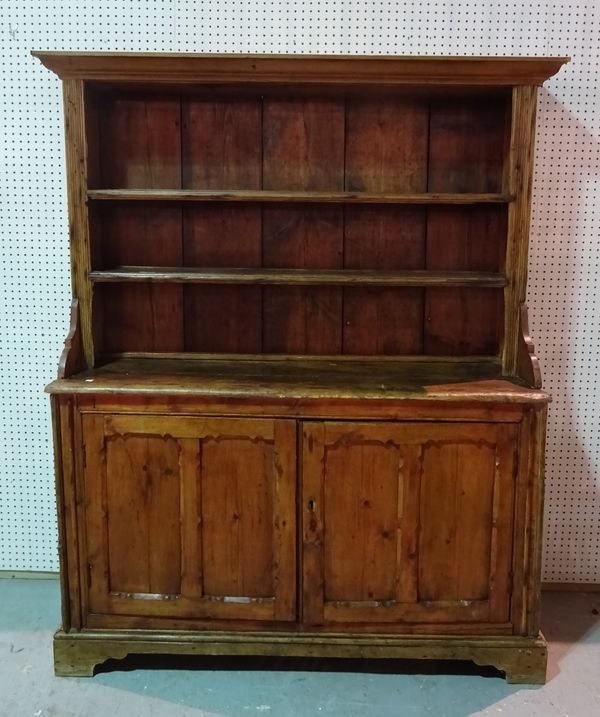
(303, 142)
(140, 141)
(467, 145)
(463, 321)
(222, 149)
(386, 151)
(301, 320)
(225, 319)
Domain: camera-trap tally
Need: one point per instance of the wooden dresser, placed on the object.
(298, 411)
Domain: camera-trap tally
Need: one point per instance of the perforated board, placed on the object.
(565, 253)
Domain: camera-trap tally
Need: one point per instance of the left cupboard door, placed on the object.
(189, 517)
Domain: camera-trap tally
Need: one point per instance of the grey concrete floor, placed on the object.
(29, 612)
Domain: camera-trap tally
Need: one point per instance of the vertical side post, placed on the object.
(79, 234)
(520, 180)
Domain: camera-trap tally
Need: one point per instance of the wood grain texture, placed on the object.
(296, 197)
(466, 146)
(188, 426)
(534, 533)
(140, 142)
(162, 493)
(222, 148)
(254, 626)
(191, 512)
(285, 69)
(303, 144)
(303, 150)
(298, 277)
(63, 544)
(221, 144)
(311, 511)
(386, 151)
(409, 496)
(222, 318)
(237, 508)
(318, 409)
(143, 515)
(464, 321)
(456, 521)
(297, 380)
(528, 365)
(523, 659)
(139, 315)
(521, 531)
(467, 143)
(131, 234)
(67, 503)
(285, 567)
(302, 320)
(79, 228)
(506, 464)
(384, 321)
(93, 525)
(360, 496)
(520, 180)
(386, 146)
(447, 476)
(72, 359)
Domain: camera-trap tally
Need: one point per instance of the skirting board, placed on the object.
(522, 659)
(28, 575)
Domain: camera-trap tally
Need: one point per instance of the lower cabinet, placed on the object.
(398, 523)
(192, 534)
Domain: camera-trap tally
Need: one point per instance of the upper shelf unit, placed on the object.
(332, 206)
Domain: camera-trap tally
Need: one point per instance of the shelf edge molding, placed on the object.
(352, 70)
(243, 195)
(298, 277)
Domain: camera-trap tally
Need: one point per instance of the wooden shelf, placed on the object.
(298, 277)
(444, 379)
(243, 195)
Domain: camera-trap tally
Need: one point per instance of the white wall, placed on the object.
(565, 253)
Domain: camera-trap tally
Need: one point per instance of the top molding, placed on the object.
(355, 70)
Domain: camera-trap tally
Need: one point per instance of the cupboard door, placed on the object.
(407, 523)
(190, 517)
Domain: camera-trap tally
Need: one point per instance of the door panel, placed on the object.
(456, 519)
(237, 545)
(407, 522)
(190, 517)
(143, 510)
(360, 505)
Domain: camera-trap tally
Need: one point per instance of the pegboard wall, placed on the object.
(565, 244)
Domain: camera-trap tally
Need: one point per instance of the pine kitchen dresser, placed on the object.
(298, 411)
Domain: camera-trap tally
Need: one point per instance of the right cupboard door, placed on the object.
(407, 523)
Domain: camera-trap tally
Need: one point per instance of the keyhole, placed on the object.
(311, 505)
